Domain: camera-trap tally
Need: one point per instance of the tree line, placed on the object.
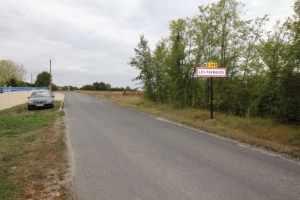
(12, 74)
(101, 86)
(263, 77)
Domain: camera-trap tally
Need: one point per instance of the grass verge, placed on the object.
(32, 153)
(256, 131)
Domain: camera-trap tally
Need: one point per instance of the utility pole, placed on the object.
(50, 88)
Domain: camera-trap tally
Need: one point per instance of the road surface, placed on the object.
(123, 154)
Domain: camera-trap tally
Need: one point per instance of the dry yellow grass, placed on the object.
(255, 131)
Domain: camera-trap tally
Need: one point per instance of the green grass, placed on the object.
(32, 146)
(14, 125)
(30, 138)
(7, 189)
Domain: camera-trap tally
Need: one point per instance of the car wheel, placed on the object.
(29, 107)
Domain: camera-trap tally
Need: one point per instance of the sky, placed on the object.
(91, 41)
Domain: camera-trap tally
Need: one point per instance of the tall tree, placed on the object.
(100, 86)
(161, 79)
(181, 68)
(9, 70)
(289, 75)
(143, 62)
(43, 79)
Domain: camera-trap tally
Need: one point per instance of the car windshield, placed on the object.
(41, 94)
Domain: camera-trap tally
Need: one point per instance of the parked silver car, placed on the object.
(39, 99)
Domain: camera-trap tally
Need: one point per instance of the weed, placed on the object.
(61, 113)
(30, 138)
(8, 189)
(8, 157)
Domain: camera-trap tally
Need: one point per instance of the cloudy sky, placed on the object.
(92, 40)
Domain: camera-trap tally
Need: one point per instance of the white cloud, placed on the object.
(92, 40)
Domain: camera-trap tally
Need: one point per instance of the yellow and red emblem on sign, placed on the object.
(211, 65)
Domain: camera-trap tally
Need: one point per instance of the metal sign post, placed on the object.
(211, 71)
(50, 87)
(211, 99)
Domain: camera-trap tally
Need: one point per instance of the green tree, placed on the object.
(108, 86)
(65, 88)
(127, 88)
(288, 74)
(87, 87)
(161, 79)
(143, 62)
(43, 79)
(12, 82)
(176, 63)
(100, 86)
(11, 70)
(54, 87)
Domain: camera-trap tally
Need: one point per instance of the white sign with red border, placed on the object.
(210, 72)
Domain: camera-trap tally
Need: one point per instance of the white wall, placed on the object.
(10, 99)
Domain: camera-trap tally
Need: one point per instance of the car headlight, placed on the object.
(49, 101)
(30, 101)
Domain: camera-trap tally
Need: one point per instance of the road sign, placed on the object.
(211, 65)
(210, 72)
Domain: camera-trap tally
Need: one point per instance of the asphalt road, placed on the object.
(122, 154)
